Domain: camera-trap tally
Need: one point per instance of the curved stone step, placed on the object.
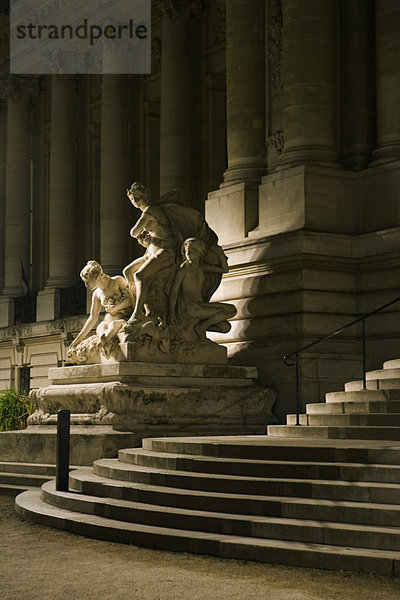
(8, 489)
(31, 506)
(314, 531)
(335, 489)
(347, 420)
(337, 433)
(349, 407)
(33, 468)
(372, 512)
(392, 364)
(281, 448)
(23, 479)
(391, 395)
(261, 468)
(373, 384)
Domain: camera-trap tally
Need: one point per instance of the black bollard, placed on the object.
(62, 474)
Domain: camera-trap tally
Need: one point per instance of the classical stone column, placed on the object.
(175, 110)
(114, 227)
(245, 91)
(63, 227)
(18, 91)
(387, 80)
(309, 57)
(357, 123)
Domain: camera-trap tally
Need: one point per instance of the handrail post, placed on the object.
(297, 390)
(63, 437)
(364, 356)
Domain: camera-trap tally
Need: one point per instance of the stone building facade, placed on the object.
(280, 119)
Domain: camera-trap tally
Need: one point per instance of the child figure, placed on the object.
(189, 283)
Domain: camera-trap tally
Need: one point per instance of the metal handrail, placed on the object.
(296, 353)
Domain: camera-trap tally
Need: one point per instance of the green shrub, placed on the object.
(14, 410)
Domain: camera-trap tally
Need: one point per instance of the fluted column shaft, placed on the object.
(245, 90)
(387, 80)
(114, 225)
(17, 189)
(175, 110)
(62, 184)
(309, 82)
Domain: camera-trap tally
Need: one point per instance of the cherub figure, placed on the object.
(114, 294)
(188, 291)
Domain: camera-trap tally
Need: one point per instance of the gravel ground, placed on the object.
(37, 562)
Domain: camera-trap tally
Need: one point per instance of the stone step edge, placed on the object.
(336, 428)
(356, 404)
(90, 478)
(5, 463)
(51, 496)
(30, 506)
(229, 442)
(26, 476)
(115, 465)
(32, 468)
(345, 416)
(10, 489)
(198, 458)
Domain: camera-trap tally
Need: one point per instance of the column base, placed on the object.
(7, 311)
(303, 155)
(385, 153)
(48, 305)
(243, 174)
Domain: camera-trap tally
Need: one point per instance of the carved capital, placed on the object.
(17, 342)
(173, 8)
(17, 87)
(276, 141)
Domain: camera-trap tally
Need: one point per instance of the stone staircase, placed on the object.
(325, 495)
(356, 413)
(18, 476)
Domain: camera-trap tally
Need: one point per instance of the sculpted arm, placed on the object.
(91, 321)
(140, 224)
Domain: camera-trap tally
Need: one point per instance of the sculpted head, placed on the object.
(139, 195)
(91, 273)
(193, 249)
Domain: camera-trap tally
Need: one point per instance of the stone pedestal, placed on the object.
(37, 444)
(157, 400)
